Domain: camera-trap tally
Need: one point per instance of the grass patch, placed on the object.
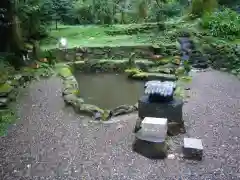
(7, 117)
(92, 36)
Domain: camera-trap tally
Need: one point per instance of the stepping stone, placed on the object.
(193, 148)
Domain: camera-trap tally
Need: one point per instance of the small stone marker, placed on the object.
(156, 127)
(63, 43)
(193, 148)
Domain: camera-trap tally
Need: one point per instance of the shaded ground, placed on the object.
(52, 142)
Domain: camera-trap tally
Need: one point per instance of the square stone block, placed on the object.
(171, 110)
(154, 126)
(193, 148)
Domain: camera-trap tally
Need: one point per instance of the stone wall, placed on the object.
(102, 53)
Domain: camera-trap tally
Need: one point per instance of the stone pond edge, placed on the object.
(71, 96)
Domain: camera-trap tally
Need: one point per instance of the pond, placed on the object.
(109, 90)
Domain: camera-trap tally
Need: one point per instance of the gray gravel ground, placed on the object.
(51, 142)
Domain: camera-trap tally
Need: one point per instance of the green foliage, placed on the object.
(6, 118)
(82, 12)
(44, 70)
(5, 70)
(171, 9)
(225, 23)
(199, 7)
(33, 18)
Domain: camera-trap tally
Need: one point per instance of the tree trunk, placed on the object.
(11, 38)
(56, 24)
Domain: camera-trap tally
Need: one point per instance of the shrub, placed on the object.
(5, 69)
(225, 23)
(199, 7)
(172, 9)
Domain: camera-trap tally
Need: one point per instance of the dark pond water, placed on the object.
(109, 90)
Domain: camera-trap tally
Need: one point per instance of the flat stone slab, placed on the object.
(193, 148)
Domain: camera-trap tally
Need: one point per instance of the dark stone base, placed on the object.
(203, 65)
(150, 150)
(158, 98)
(170, 110)
(192, 154)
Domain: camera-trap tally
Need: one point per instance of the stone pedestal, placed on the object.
(171, 110)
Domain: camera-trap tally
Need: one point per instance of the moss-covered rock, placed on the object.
(94, 111)
(160, 69)
(179, 92)
(110, 65)
(123, 109)
(70, 82)
(73, 100)
(176, 61)
(163, 61)
(154, 76)
(4, 102)
(180, 71)
(73, 91)
(5, 89)
(132, 71)
(65, 72)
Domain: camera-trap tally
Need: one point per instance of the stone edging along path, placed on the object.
(71, 96)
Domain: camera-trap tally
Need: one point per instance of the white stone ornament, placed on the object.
(63, 43)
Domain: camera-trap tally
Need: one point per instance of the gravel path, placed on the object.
(51, 142)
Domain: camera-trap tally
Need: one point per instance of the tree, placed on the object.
(10, 32)
(58, 10)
